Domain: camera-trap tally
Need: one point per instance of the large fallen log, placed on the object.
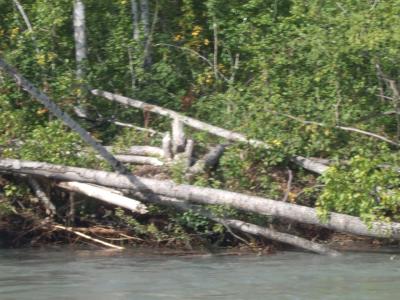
(298, 213)
(194, 123)
(208, 161)
(140, 150)
(240, 225)
(104, 194)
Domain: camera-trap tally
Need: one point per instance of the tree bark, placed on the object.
(189, 149)
(48, 205)
(80, 39)
(140, 150)
(264, 206)
(278, 236)
(178, 137)
(167, 146)
(54, 109)
(135, 20)
(310, 164)
(209, 161)
(141, 160)
(227, 134)
(104, 194)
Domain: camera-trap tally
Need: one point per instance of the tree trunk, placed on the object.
(167, 146)
(80, 39)
(189, 149)
(104, 194)
(209, 161)
(48, 205)
(298, 213)
(141, 160)
(135, 20)
(227, 134)
(140, 150)
(178, 137)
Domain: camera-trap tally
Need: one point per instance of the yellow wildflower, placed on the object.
(40, 59)
(14, 32)
(276, 142)
(51, 56)
(196, 30)
(178, 37)
(206, 42)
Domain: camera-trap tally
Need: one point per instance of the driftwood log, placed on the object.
(104, 194)
(264, 206)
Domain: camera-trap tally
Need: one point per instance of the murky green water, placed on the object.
(65, 274)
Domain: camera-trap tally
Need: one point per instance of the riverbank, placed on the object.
(27, 231)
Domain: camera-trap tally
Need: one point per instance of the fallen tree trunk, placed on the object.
(298, 213)
(227, 134)
(240, 225)
(48, 205)
(141, 150)
(309, 164)
(279, 236)
(141, 160)
(209, 161)
(104, 194)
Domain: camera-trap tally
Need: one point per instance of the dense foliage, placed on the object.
(314, 78)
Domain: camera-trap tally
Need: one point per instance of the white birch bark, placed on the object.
(140, 160)
(135, 20)
(49, 206)
(167, 146)
(104, 194)
(178, 137)
(140, 150)
(80, 38)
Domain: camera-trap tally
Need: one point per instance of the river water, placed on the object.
(97, 275)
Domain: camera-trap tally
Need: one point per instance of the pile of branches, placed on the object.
(131, 192)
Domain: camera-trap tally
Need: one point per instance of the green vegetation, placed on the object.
(312, 78)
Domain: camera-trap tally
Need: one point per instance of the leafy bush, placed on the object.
(368, 187)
